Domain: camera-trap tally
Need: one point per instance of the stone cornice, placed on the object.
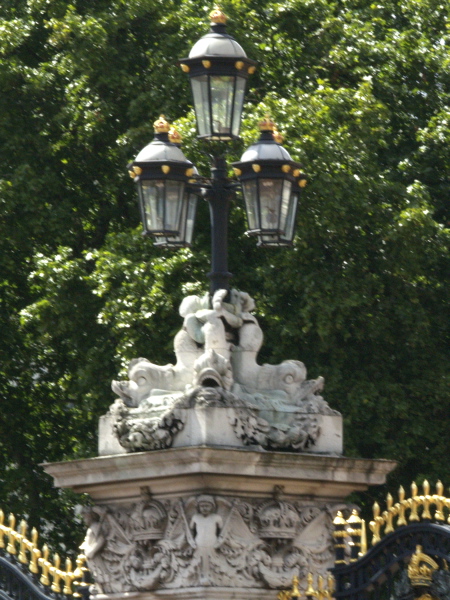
(178, 470)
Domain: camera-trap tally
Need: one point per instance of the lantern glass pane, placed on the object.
(174, 203)
(285, 203)
(186, 226)
(191, 210)
(251, 203)
(201, 102)
(270, 193)
(290, 221)
(152, 201)
(238, 104)
(222, 92)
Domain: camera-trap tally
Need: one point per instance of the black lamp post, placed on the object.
(168, 184)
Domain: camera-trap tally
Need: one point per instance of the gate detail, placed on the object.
(26, 573)
(409, 561)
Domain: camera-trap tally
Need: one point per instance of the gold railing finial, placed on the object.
(425, 506)
(323, 591)
(38, 561)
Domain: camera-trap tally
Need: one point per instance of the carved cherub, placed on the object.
(206, 526)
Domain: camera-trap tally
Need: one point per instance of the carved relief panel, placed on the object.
(207, 541)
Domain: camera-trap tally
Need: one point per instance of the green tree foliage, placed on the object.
(362, 92)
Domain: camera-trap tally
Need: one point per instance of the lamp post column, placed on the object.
(219, 196)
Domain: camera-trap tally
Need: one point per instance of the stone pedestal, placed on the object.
(233, 472)
(212, 522)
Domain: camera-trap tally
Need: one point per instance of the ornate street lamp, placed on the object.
(271, 182)
(161, 172)
(168, 183)
(218, 69)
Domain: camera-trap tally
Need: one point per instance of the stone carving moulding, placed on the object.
(208, 541)
(273, 407)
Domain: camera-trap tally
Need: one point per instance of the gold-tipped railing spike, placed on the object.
(389, 514)
(320, 589)
(56, 573)
(376, 524)
(426, 500)
(11, 547)
(78, 580)
(339, 535)
(363, 549)
(45, 565)
(23, 542)
(354, 531)
(310, 591)
(439, 514)
(414, 516)
(68, 577)
(402, 507)
(294, 592)
(2, 529)
(35, 552)
(330, 582)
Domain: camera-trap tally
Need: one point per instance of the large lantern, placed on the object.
(218, 69)
(162, 172)
(271, 182)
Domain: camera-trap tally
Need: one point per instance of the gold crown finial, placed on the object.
(218, 16)
(267, 124)
(421, 568)
(161, 125)
(175, 137)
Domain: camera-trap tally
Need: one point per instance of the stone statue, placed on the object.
(274, 406)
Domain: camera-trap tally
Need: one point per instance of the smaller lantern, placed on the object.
(271, 182)
(218, 69)
(162, 172)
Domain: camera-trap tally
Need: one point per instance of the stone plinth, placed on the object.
(212, 522)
